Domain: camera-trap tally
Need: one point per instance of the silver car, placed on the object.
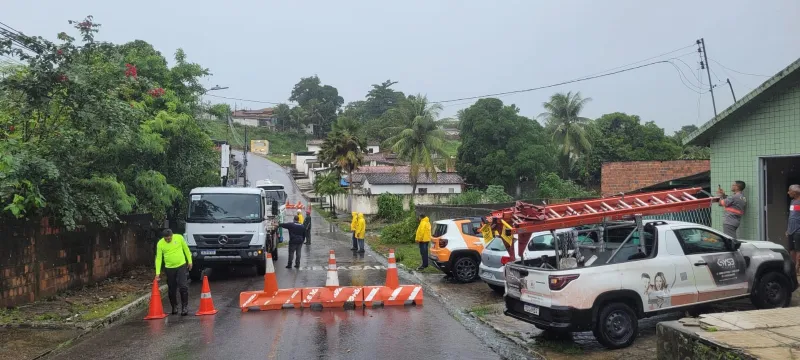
(492, 268)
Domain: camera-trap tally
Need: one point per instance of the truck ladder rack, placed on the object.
(527, 218)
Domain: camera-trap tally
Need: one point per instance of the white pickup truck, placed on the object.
(608, 286)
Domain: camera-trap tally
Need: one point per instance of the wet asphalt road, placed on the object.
(426, 332)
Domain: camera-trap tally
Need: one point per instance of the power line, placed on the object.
(255, 101)
(738, 72)
(643, 60)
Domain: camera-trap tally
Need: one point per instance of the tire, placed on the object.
(465, 269)
(772, 291)
(195, 274)
(617, 326)
(500, 290)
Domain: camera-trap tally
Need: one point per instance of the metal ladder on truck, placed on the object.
(525, 219)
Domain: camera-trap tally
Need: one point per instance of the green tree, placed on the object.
(381, 98)
(283, 117)
(553, 187)
(321, 102)
(500, 147)
(328, 185)
(345, 151)
(562, 119)
(421, 140)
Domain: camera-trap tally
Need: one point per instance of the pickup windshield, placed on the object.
(216, 208)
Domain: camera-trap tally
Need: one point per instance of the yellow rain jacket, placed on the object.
(424, 230)
(354, 222)
(361, 227)
(300, 214)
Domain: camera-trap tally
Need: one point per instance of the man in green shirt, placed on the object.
(175, 253)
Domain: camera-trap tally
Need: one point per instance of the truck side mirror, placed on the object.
(274, 207)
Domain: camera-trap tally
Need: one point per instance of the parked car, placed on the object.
(671, 266)
(495, 256)
(456, 247)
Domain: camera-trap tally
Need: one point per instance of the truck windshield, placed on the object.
(277, 195)
(224, 208)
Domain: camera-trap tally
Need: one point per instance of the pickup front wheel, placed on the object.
(616, 326)
(772, 291)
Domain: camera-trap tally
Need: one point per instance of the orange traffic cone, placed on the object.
(206, 304)
(270, 282)
(392, 279)
(333, 274)
(156, 309)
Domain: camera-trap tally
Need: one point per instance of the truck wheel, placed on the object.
(500, 290)
(617, 326)
(772, 291)
(465, 269)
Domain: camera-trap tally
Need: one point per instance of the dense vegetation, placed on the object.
(92, 130)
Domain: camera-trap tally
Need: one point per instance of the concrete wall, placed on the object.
(40, 259)
(406, 189)
(771, 129)
(314, 148)
(368, 204)
(375, 149)
(300, 162)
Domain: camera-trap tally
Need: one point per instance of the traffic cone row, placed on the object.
(331, 295)
(156, 310)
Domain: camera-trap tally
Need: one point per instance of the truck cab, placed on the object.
(229, 226)
(275, 193)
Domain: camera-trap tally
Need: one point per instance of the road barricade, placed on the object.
(349, 297)
(392, 294)
(271, 298)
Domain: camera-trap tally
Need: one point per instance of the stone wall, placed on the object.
(39, 259)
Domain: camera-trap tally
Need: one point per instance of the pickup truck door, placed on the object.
(719, 271)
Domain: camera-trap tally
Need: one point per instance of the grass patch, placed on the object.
(101, 310)
(279, 142)
(567, 347)
(280, 159)
(483, 310)
(450, 147)
(10, 316)
(406, 254)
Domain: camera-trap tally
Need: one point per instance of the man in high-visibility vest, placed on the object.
(733, 206)
(353, 224)
(423, 238)
(361, 232)
(175, 253)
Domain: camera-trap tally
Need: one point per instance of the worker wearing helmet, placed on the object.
(361, 232)
(353, 224)
(300, 215)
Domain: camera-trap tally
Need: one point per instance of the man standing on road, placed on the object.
(361, 232)
(175, 253)
(423, 238)
(353, 224)
(793, 229)
(307, 225)
(297, 234)
(734, 206)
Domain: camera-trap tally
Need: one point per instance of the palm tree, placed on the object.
(283, 114)
(421, 140)
(345, 151)
(562, 118)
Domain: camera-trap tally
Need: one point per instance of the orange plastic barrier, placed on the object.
(393, 294)
(271, 298)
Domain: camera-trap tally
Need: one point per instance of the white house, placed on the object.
(398, 183)
(301, 161)
(262, 117)
(314, 145)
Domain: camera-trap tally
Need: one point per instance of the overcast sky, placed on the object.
(455, 49)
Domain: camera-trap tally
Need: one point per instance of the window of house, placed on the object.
(700, 241)
(422, 190)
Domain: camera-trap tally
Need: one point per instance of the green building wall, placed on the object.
(771, 129)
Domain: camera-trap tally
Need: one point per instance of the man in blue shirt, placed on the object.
(297, 235)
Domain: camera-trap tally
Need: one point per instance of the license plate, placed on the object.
(531, 309)
(208, 252)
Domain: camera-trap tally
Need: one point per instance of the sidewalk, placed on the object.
(34, 330)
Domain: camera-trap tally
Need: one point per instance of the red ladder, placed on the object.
(526, 219)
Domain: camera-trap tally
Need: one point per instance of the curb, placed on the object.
(109, 319)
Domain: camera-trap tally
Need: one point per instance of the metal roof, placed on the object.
(747, 103)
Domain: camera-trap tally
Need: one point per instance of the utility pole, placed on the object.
(245, 155)
(731, 86)
(702, 45)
